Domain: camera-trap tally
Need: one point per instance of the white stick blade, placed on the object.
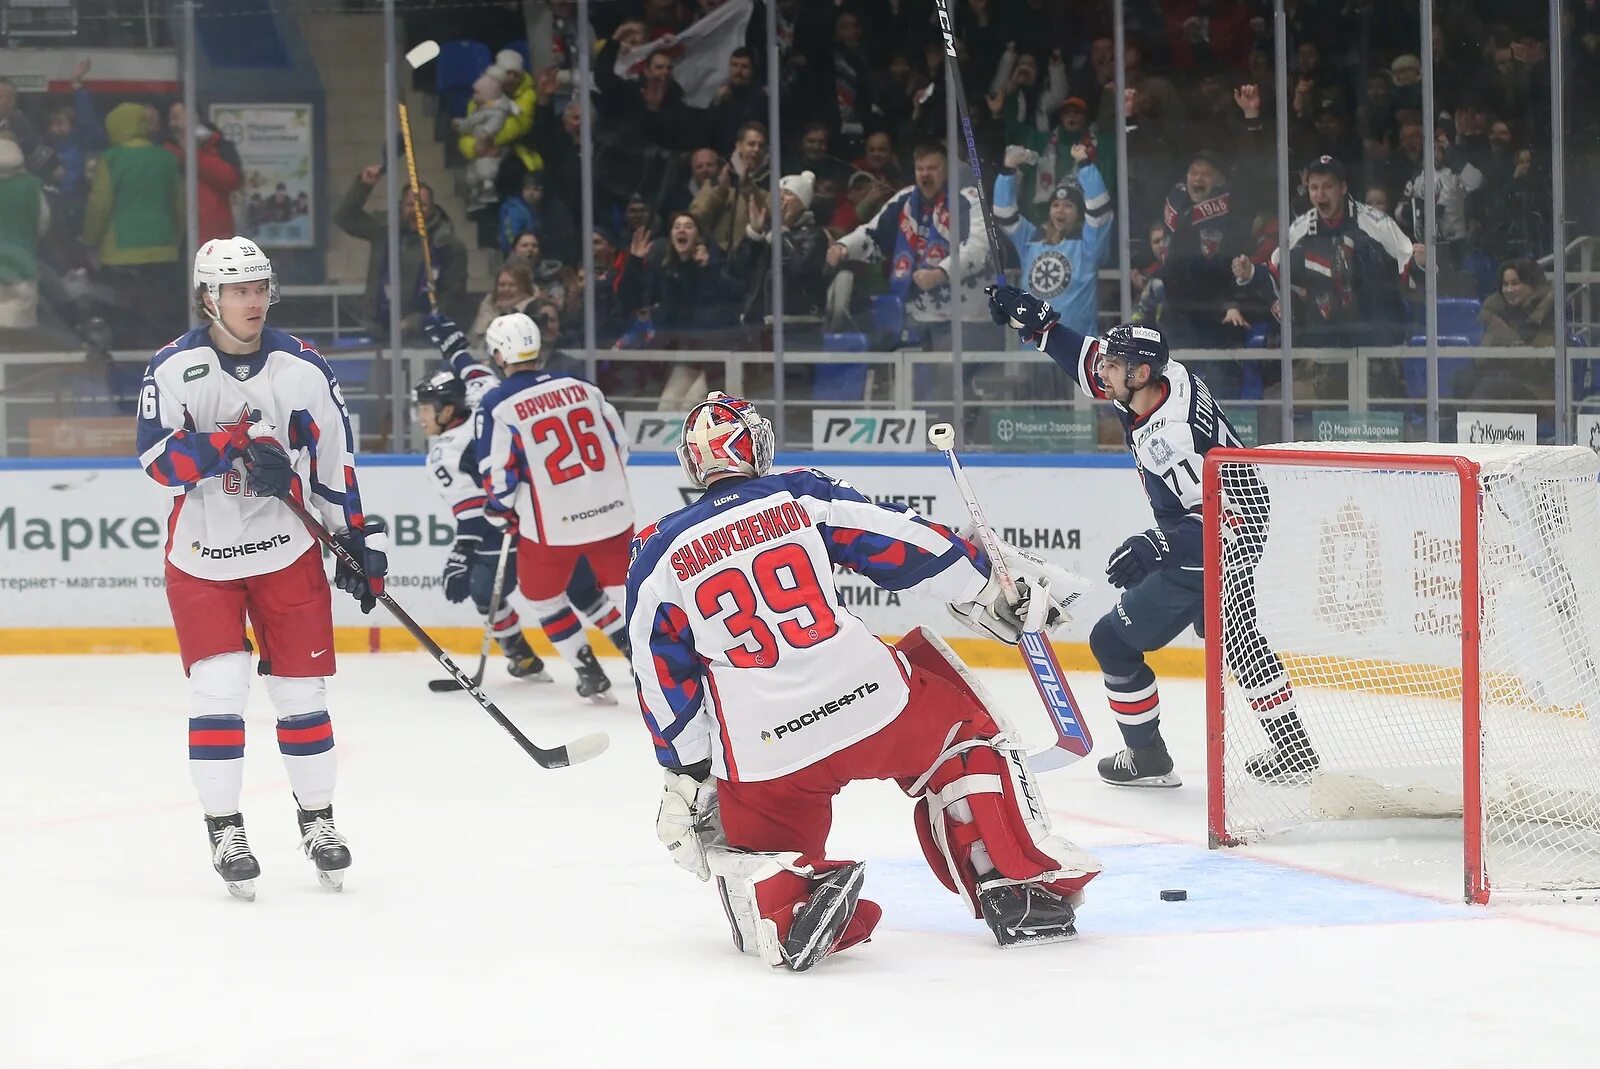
(590, 746)
(426, 52)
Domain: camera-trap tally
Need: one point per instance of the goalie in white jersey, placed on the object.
(553, 455)
(764, 696)
(232, 417)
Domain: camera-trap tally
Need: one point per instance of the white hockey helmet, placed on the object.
(223, 260)
(725, 434)
(514, 339)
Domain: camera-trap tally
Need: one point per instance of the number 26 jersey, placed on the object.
(558, 437)
(742, 650)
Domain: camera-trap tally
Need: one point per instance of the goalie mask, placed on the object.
(725, 435)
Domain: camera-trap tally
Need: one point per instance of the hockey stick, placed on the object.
(947, 27)
(556, 757)
(440, 686)
(1038, 656)
(416, 207)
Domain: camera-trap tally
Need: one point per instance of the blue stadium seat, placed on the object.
(458, 66)
(854, 342)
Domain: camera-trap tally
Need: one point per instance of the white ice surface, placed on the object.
(500, 915)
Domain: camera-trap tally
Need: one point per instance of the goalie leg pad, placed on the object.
(784, 913)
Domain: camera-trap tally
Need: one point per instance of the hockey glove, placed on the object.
(268, 469)
(689, 821)
(369, 545)
(443, 333)
(1138, 557)
(457, 569)
(1020, 310)
(502, 520)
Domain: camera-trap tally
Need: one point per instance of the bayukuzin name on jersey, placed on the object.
(698, 554)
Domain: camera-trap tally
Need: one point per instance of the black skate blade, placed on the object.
(244, 890)
(1033, 937)
(541, 676)
(1166, 782)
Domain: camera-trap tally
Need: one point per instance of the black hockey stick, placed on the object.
(583, 749)
(947, 27)
(440, 686)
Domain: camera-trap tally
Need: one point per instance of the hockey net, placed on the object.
(1436, 610)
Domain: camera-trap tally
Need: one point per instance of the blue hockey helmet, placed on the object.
(1133, 344)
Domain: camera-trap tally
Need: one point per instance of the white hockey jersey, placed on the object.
(559, 437)
(453, 467)
(742, 650)
(194, 401)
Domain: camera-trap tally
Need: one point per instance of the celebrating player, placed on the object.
(765, 696)
(1170, 421)
(234, 416)
(552, 452)
(445, 416)
(589, 600)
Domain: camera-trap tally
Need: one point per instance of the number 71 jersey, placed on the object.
(552, 449)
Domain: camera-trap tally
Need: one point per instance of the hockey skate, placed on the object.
(593, 683)
(324, 846)
(1140, 766)
(231, 855)
(521, 661)
(1290, 759)
(818, 924)
(1019, 913)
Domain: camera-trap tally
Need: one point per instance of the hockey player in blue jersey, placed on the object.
(765, 696)
(1060, 260)
(1170, 422)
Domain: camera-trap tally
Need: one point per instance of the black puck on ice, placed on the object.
(1178, 895)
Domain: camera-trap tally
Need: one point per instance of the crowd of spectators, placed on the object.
(682, 168)
(92, 213)
(682, 178)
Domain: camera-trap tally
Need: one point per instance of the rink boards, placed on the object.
(81, 546)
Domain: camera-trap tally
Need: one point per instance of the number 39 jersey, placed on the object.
(742, 649)
(559, 437)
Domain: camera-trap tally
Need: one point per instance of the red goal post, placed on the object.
(1374, 573)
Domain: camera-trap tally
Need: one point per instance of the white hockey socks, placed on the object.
(305, 738)
(218, 688)
(562, 626)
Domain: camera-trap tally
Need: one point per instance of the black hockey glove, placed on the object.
(1021, 310)
(1138, 557)
(268, 469)
(443, 333)
(369, 545)
(457, 569)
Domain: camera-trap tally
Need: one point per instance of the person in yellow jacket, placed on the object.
(512, 137)
(134, 221)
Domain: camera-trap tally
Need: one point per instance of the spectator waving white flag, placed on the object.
(700, 53)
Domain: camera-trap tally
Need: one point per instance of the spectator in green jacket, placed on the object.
(134, 219)
(24, 217)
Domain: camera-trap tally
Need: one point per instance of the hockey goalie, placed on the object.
(765, 696)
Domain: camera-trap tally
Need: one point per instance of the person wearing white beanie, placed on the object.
(508, 59)
(801, 185)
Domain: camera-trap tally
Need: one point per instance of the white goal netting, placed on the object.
(1353, 571)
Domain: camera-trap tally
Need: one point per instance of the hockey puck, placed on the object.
(1178, 895)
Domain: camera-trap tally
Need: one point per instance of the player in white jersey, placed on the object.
(1170, 422)
(765, 695)
(457, 450)
(452, 466)
(232, 417)
(553, 454)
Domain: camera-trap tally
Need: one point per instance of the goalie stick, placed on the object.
(440, 686)
(1073, 741)
(583, 749)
